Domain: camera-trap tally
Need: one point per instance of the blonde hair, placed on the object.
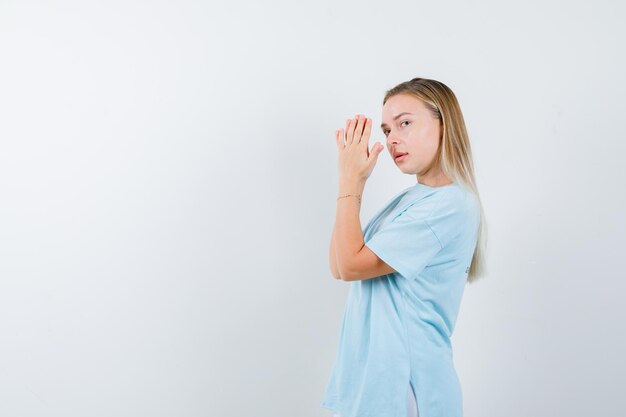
(455, 155)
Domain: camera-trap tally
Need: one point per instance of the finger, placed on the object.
(358, 135)
(376, 150)
(339, 139)
(350, 131)
(367, 130)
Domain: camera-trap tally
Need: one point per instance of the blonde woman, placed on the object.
(408, 267)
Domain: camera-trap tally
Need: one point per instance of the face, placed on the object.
(410, 129)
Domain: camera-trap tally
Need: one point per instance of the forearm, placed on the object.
(348, 231)
(333, 256)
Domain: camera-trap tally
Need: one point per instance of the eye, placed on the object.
(386, 132)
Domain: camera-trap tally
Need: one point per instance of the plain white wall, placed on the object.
(168, 180)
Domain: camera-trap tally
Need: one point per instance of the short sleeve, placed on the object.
(406, 244)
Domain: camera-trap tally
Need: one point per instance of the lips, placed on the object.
(397, 154)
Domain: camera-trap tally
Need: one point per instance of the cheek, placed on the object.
(429, 140)
(415, 141)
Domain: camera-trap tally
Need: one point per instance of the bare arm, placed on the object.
(348, 234)
(355, 261)
(333, 256)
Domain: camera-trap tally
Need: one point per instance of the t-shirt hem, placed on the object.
(333, 406)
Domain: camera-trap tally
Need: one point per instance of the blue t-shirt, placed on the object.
(396, 328)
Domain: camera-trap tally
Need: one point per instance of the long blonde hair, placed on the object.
(455, 154)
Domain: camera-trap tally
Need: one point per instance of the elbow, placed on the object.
(336, 273)
(347, 270)
(345, 275)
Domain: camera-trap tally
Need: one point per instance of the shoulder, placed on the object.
(432, 203)
(452, 211)
(456, 200)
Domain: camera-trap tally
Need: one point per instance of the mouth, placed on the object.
(399, 156)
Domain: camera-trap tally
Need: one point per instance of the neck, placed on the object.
(434, 181)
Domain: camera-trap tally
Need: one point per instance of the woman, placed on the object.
(408, 268)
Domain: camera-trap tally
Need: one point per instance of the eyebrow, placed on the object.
(396, 118)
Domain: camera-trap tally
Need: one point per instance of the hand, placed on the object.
(355, 161)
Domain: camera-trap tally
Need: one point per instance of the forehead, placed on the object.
(402, 103)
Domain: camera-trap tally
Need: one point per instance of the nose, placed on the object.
(391, 138)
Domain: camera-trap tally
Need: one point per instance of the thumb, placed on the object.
(377, 149)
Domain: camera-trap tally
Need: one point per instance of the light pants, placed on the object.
(411, 405)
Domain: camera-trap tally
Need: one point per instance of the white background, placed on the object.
(168, 178)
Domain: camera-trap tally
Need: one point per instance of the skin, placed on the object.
(419, 135)
(350, 259)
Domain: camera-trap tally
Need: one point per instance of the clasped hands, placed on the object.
(355, 160)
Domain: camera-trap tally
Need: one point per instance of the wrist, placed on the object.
(356, 197)
(351, 186)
